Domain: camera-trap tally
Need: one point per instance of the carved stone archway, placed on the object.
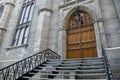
(62, 32)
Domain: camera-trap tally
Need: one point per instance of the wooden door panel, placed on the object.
(95, 51)
(73, 38)
(73, 54)
(81, 37)
(87, 52)
(73, 47)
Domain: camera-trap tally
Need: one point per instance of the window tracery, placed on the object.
(22, 30)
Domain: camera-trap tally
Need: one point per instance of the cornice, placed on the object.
(45, 9)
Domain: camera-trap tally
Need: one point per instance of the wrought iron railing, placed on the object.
(16, 70)
(107, 65)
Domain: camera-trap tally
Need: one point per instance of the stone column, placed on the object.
(44, 21)
(111, 23)
(9, 6)
(62, 43)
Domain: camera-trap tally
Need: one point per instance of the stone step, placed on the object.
(79, 59)
(80, 67)
(77, 76)
(59, 68)
(72, 69)
(50, 64)
(92, 67)
(67, 74)
(76, 61)
(80, 71)
(72, 63)
(77, 67)
(93, 79)
(37, 78)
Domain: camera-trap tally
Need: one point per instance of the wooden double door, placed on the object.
(81, 36)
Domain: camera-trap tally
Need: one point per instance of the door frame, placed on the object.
(63, 34)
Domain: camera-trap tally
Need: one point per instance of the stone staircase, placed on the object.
(46, 65)
(70, 69)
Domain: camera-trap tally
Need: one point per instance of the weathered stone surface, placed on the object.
(48, 28)
(114, 60)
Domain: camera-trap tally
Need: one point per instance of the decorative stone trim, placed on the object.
(112, 17)
(10, 3)
(62, 29)
(14, 47)
(114, 48)
(90, 1)
(3, 28)
(102, 19)
(9, 60)
(45, 9)
(69, 3)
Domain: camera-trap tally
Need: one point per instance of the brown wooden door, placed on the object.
(81, 36)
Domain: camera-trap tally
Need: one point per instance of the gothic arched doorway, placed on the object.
(81, 41)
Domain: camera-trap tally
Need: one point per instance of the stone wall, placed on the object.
(47, 29)
(114, 61)
(38, 35)
(117, 5)
(9, 21)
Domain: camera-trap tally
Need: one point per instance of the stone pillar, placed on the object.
(9, 6)
(111, 23)
(62, 43)
(44, 21)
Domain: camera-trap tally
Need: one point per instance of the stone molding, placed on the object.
(112, 17)
(105, 19)
(3, 28)
(74, 2)
(113, 48)
(10, 3)
(45, 9)
(99, 20)
(14, 47)
(62, 29)
(9, 60)
(69, 3)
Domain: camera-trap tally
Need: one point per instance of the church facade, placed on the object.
(72, 28)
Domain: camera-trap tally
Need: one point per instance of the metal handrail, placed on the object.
(107, 65)
(16, 70)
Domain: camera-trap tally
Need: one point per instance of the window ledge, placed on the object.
(15, 47)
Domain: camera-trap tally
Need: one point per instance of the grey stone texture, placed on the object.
(111, 23)
(117, 6)
(114, 61)
(48, 28)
